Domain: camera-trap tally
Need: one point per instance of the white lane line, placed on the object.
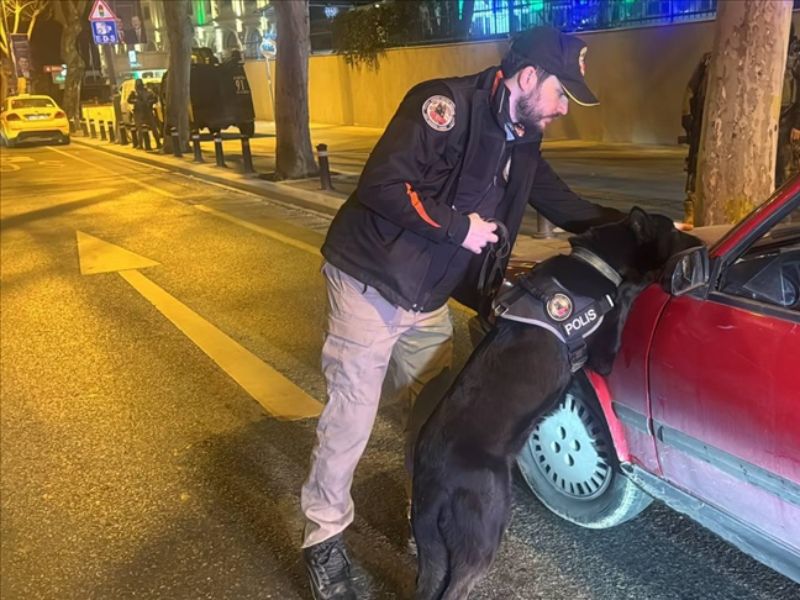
(285, 239)
(142, 184)
(279, 396)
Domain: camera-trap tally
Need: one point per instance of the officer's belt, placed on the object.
(539, 298)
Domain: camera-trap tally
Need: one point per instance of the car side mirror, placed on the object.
(686, 271)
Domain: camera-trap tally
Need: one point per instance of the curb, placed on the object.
(328, 203)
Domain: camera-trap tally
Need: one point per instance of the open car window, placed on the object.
(769, 271)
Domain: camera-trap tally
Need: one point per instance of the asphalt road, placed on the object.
(134, 465)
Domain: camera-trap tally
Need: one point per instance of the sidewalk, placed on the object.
(618, 175)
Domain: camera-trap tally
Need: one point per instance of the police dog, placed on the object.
(465, 450)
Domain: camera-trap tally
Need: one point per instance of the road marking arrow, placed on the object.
(277, 395)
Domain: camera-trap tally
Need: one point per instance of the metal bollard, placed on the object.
(324, 168)
(218, 153)
(145, 135)
(176, 142)
(544, 228)
(198, 155)
(247, 156)
(112, 137)
(123, 134)
(102, 130)
(92, 130)
(85, 127)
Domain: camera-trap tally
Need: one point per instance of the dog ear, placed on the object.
(640, 224)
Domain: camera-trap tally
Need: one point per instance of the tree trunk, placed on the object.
(179, 34)
(294, 157)
(70, 14)
(736, 167)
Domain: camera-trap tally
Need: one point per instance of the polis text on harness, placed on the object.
(568, 295)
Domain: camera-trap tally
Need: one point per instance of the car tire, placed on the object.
(247, 129)
(569, 463)
(66, 140)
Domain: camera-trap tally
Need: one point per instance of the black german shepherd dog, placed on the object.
(465, 450)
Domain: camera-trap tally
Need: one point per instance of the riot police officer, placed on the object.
(692, 119)
(786, 163)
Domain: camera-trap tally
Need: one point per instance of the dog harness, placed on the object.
(571, 305)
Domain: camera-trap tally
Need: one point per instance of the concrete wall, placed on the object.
(639, 75)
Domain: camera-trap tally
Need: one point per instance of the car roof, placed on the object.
(29, 96)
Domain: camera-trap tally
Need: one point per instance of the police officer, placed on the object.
(458, 153)
(692, 120)
(142, 100)
(789, 121)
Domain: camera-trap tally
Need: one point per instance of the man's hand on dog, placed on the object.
(480, 233)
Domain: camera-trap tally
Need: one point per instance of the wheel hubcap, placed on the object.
(570, 449)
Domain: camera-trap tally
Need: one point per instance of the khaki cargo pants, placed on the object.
(364, 332)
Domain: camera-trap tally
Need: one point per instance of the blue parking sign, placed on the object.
(104, 32)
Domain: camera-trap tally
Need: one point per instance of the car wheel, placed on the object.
(65, 139)
(570, 464)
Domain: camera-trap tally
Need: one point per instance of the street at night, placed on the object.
(399, 299)
(160, 344)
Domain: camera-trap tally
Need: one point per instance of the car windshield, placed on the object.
(32, 103)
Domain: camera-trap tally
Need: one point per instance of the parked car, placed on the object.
(220, 95)
(702, 408)
(28, 118)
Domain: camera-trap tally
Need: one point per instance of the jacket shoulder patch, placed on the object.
(439, 113)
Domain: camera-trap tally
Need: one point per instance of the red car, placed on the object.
(702, 408)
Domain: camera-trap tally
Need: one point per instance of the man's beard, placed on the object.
(528, 113)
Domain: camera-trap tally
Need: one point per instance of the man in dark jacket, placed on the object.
(142, 100)
(692, 120)
(786, 163)
(458, 154)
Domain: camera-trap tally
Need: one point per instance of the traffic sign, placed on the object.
(101, 12)
(105, 32)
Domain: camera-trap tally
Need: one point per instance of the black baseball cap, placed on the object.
(557, 53)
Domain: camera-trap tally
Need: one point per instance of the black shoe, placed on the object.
(328, 569)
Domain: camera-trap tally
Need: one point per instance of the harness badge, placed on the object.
(559, 307)
(439, 112)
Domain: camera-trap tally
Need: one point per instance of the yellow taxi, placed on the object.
(32, 118)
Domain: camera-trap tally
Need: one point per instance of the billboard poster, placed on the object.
(20, 54)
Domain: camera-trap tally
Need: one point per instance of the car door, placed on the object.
(725, 382)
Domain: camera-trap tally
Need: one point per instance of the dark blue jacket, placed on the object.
(401, 229)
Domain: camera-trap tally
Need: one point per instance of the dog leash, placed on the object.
(491, 274)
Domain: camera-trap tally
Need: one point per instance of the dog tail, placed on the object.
(472, 535)
(433, 559)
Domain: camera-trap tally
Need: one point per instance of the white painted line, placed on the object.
(262, 230)
(142, 184)
(278, 396)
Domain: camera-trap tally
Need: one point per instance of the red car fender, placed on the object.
(603, 395)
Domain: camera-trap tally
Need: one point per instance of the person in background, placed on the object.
(692, 119)
(786, 162)
(143, 100)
